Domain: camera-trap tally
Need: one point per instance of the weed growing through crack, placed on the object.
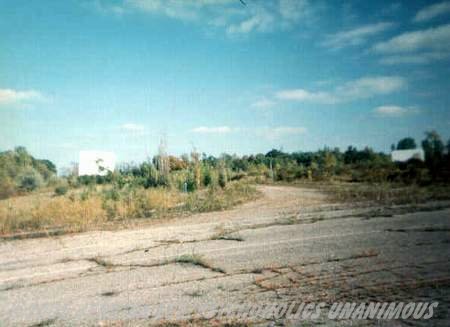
(102, 262)
(197, 260)
(226, 234)
(196, 293)
(44, 323)
(193, 259)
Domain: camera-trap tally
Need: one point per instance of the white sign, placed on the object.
(96, 163)
(405, 155)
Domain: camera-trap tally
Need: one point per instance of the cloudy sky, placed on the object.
(220, 75)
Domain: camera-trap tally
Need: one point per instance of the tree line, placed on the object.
(21, 173)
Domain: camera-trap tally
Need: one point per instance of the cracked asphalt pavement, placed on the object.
(289, 245)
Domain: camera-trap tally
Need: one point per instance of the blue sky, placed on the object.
(118, 75)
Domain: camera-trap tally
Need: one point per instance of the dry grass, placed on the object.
(78, 211)
(89, 208)
(383, 193)
(214, 199)
(26, 214)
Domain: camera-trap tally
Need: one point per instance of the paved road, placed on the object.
(290, 245)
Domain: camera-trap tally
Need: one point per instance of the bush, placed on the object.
(111, 194)
(85, 195)
(191, 184)
(207, 177)
(219, 199)
(30, 180)
(61, 190)
(7, 187)
(152, 202)
(222, 178)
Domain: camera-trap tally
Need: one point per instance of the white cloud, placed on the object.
(131, 127)
(212, 130)
(355, 36)
(271, 133)
(362, 88)
(306, 96)
(294, 10)
(416, 47)
(10, 96)
(278, 132)
(260, 21)
(432, 11)
(104, 7)
(437, 38)
(230, 15)
(184, 10)
(419, 58)
(263, 103)
(288, 130)
(392, 111)
(367, 87)
(266, 16)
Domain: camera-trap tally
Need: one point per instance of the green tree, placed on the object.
(434, 152)
(433, 146)
(406, 144)
(329, 163)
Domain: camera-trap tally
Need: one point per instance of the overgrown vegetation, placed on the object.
(21, 173)
(384, 193)
(93, 206)
(35, 198)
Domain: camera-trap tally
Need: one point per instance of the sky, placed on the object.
(220, 75)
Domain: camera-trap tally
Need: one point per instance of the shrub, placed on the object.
(238, 176)
(61, 190)
(30, 180)
(207, 176)
(111, 194)
(152, 202)
(222, 178)
(85, 195)
(7, 187)
(191, 183)
(219, 199)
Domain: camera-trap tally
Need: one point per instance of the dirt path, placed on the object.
(288, 245)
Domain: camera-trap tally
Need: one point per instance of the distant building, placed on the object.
(96, 163)
(405, 155)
